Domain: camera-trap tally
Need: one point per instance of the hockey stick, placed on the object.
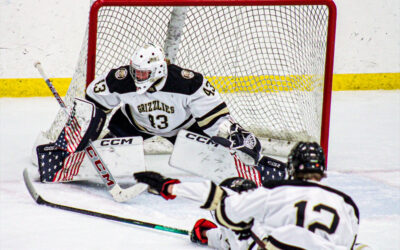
(259, 242)
(119, 194)
(114, 189)
(38, 66)
(39, 200)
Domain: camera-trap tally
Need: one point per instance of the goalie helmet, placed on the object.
(238, 184)
(306, 157)
(147, 67)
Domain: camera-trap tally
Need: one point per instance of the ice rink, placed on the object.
(364, 162)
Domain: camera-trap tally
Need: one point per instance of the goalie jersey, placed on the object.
(186, 97)
(295, 213)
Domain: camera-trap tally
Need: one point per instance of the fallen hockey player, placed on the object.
(288, 214)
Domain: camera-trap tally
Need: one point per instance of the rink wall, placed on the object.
(367, 52)
(31, 87)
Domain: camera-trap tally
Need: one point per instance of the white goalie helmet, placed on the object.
(148, 66)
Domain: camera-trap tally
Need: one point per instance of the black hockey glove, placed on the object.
(198, 228)
(238, 184)
(157, 183)
(242, 141)
(243, 235)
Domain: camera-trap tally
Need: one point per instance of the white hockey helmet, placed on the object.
(148, 66)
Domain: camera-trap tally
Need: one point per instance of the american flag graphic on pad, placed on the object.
(260, 173)
(59, 162)
(247, 172)
(70, 167)
(57, 165)
(70, 136)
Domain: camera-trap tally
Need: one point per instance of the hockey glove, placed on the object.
(238, 184)
(243, 142)
(157, 183)
(201, 226)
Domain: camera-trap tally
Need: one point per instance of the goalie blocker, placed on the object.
(65, 159)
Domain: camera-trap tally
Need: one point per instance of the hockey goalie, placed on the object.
(154, 98)
(150, 97)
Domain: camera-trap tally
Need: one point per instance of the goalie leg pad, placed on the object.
(122, 155)
(50, 161)
(271, 169)
(56, 165)
(215, 162)
(204, 157)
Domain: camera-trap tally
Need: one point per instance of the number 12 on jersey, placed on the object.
(301, 210)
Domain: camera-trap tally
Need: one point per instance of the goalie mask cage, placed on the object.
(271, 60)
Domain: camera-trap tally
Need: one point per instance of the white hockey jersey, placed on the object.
(296, 213)
(184, 98)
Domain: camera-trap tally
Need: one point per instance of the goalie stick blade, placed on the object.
(39, 200)
(119, 194)
(122, 195)
(29, 186)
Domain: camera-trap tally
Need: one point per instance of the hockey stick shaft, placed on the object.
(41, 201)
(259, 242)
(114, 189)
(38, 66)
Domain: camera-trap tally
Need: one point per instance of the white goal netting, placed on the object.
(268, 61)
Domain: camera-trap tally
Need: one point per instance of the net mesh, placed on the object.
(268, 62)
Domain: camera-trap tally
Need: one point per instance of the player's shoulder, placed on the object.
(119, 80)
(309, 184)
(300, 183)
(182, 81)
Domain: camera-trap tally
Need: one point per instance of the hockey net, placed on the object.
(271, 60)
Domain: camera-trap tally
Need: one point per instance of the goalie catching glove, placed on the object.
(158, 184)
(244, 143)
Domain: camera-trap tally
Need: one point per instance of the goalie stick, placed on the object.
(114, 189)
(119, 194)
(38, 66)
(41, 201)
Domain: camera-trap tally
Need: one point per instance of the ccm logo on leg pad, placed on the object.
(116, 141)
(201, 139)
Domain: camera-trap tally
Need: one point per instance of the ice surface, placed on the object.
(364, 161)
